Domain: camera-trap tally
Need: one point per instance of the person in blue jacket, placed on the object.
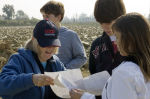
(23, 76)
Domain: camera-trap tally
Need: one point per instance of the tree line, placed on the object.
(10, 18)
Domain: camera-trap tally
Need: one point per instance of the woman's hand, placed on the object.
(42, 80)
(76, 93)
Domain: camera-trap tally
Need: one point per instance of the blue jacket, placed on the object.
(16, 76)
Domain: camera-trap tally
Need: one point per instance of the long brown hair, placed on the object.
(134, 32)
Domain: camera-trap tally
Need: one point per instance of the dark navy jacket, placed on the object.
(102, 55)
(16, 76)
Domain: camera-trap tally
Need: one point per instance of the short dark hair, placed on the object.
(106, 11)
(53, 7)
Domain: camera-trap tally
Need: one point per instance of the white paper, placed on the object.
(64, 81)
(61, 79)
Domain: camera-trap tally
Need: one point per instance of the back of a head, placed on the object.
(106, 11)
(53, 7)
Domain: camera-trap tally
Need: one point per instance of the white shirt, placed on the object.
(112, 38)
(127, 82)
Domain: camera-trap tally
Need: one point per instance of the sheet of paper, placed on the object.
(66, 80)
(65, 83)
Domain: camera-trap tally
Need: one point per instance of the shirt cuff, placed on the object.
(87, 96)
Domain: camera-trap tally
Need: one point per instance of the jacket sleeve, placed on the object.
(12, 80)
(79, 57)
(92, 67)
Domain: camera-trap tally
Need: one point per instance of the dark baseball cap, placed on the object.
(46, 34)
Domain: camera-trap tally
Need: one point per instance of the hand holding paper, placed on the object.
(72, 79)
